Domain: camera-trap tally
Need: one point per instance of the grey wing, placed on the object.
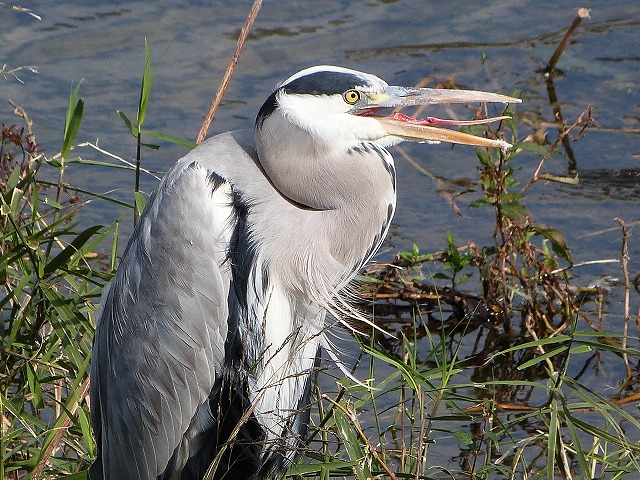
(160, 338)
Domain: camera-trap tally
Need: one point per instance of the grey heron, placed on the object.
(209, 333)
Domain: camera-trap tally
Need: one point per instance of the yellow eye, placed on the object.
(351, 96)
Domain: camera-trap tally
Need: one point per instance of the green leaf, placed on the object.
(511, 182)
(145, 89)
(463, 278)
(581, 349)
(514, 211)
(16, 201)
(552, 440)
(451, 244)
(536, 343)
(53, 203)
(408, 256)
(171, 138)
(483, 154)
(13, 179)
(510, 197)
(441, 276)
(540, 358)
(464, 438)
(352, 444)
(114, 248)
(72, 121)
(411, 376)
(34, 385)
(141, 202)
(67, 316)
(483, 202)
(85, 427)
(96, 163)
(533, 148)
(575, 436)
(73, 99)
(61, 259)
(76, 476)
(308, 469)
(557, 239)
(127, 122)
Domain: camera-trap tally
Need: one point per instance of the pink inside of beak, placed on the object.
(443, 121)
(401, 117)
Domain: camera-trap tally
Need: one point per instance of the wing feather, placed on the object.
(160, 338)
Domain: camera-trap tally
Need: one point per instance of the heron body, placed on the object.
(209, 334)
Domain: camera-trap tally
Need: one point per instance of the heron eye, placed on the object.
(351, 96)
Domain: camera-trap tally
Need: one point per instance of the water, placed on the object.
(402, 41)
(498, 46)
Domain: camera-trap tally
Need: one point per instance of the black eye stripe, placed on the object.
(325, 82)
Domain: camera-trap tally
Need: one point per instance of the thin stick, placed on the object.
(624, 259)
(582, 14)
(230, 68)
(82, 393)
(557, 114)
(563, 133)
(551, 89)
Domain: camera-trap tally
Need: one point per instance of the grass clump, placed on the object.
(50, 283)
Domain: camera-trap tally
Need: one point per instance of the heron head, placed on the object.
(340, 108)
(307, 130)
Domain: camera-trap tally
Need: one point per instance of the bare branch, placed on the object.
(242, 38)
(582, 14)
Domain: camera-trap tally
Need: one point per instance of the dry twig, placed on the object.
(242, 38)
(564, 134)
(66, 423)
(582, 14)
(624, 260)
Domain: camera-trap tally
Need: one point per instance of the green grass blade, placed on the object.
(141, 202)
(14, 177)
(128, 123)
(542, 357)
(552, 439)
(59, 260)
(76, 476)
(87, 192)
(171, 138)
(145, 89)
(573, 433)
(34, 385)
(72, 122)
(151, 146)
(536, 343)
(352, 445)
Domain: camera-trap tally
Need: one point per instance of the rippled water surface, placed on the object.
(401, 41)
(493, 45)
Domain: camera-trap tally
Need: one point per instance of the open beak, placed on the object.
(428, 129)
